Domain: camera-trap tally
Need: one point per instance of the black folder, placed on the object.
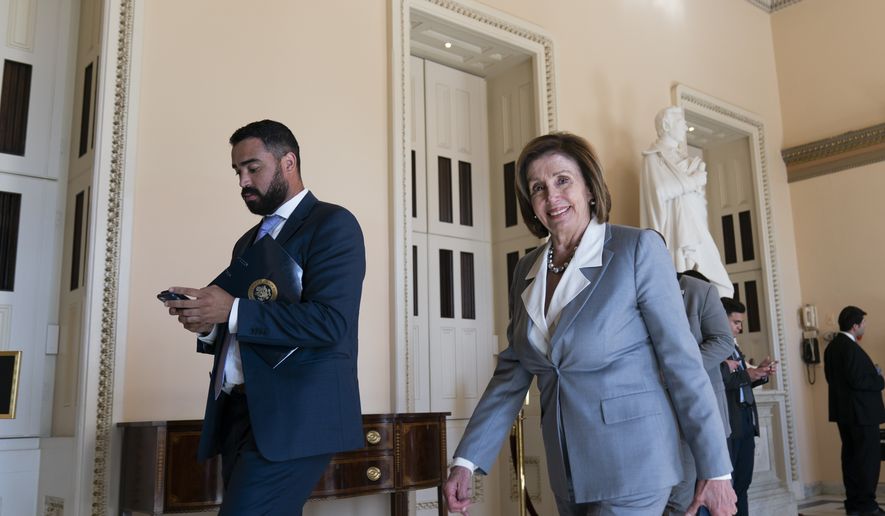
(264, 272)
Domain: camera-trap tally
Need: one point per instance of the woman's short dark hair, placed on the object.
(849, 316)
(576, 148)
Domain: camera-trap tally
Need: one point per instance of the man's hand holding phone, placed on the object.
(170, 296)
(198, 309)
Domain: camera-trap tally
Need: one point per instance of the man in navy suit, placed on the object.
(276, 428)
(739, 381)
(855, 389)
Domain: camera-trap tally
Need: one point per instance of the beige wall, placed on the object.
(840, 255)
(209, 66)
(829, 58)
(830, 82)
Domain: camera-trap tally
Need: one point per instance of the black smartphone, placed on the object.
(170, 296)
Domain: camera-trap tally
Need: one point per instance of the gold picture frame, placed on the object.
(10, 366)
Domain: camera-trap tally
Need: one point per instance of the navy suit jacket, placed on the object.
(735, 382)
(310, 404)
(855, 386)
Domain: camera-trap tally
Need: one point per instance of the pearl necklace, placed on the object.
(554, 269)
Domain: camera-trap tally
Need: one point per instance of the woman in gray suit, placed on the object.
(599, 320)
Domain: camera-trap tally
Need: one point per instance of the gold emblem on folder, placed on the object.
(263, 290)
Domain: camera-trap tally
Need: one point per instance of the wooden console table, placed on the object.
(402, 452)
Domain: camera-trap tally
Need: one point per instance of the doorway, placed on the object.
(446, 341)
(739, 209)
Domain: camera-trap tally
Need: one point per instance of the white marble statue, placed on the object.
(673, 200)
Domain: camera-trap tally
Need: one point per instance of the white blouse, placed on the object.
(588, 254)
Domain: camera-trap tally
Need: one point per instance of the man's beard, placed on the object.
(269, 201)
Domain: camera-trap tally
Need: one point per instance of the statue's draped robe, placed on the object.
(672, 202)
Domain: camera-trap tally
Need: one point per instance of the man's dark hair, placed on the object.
(695, 274)
(277, 138)
(849, 316)
(732, 306)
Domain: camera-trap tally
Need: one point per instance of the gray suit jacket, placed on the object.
(608, 422)
(709, 325)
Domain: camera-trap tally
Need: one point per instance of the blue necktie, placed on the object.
(269, 223)
(746, 391)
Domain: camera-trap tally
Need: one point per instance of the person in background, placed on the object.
(710, 327)
(855, 390)
(739, 379)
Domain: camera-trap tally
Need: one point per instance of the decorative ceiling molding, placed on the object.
(771, 6)
(849, 150)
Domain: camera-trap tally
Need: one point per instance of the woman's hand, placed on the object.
(457, 490)
(716, 495)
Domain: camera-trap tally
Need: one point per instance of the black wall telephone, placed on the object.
(810, 345)
(810, 351)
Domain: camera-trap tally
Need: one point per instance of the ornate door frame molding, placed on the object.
(107, 285)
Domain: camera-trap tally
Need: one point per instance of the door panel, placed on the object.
(31, 37)
(24, 307)
(730, 205)
(461, 346)
(733, 216)
(457, 153)
(418, 164)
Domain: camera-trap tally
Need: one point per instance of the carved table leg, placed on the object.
(399, 503)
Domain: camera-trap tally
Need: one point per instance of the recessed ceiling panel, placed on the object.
(468, 51)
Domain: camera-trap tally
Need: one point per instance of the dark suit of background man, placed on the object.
(739, 381)
(276, 429)
(855, 386)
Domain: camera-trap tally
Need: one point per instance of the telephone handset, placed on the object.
(810, 346)
(809, 318)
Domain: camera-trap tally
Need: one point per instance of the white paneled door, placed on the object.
(733, 216)
(27, 239)
(456, 153)
(451, 328)
(451, 314)
(460, 318)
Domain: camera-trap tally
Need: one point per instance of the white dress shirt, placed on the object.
(588, 254)
(233, 366)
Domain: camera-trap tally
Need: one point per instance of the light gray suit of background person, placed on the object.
(608, 426)
(709, 325)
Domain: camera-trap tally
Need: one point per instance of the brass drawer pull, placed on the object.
(373, 437)
(373, 473)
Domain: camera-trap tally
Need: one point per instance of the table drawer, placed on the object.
(347, 476)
